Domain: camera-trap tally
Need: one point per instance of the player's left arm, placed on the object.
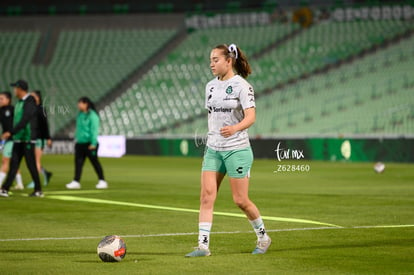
(247, 102)
(248, 120)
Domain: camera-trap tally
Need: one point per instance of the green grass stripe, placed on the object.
(237, 215)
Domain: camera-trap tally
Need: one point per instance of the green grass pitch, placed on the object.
(349, 195)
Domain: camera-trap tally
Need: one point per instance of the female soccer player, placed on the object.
(86, 138)
(43, 137)
(231, 111)
(6, 120)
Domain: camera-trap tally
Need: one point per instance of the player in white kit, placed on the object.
(231, 111)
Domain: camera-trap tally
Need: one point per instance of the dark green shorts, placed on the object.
(236, 163)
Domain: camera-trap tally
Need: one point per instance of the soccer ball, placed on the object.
(379, 167)
(111, 249)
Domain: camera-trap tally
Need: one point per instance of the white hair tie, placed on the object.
(233, 49)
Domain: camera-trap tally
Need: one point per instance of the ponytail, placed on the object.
(39, 95)
(239, 59)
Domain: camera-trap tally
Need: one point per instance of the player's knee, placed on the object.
(207, 197)
(241, 202)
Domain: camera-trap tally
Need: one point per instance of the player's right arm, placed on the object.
(94, 129)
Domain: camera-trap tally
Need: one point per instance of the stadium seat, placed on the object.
(353, 99)
(85, 62)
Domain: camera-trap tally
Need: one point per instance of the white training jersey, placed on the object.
(225, 102)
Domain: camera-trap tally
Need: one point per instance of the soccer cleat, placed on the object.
(37, 194)
(262, 246)
(199, 252)
(102, 185)
(48, 176)
(4, 193)
(73, 185)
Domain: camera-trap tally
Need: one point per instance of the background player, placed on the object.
(6, 120)
(86, 138)
(24, 138)
(231, 111)
(43, 137)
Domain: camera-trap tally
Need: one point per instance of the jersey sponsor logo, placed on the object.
(221, 110)
(230, 98)
(229, 90)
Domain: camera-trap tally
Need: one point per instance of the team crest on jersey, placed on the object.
(7, 114)
(229, 90)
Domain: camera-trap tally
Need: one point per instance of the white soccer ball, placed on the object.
(111, 249)
(379, 167)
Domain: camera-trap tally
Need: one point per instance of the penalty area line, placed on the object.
(214, 233)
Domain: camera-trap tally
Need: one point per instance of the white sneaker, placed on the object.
(262, 246)
(73, 185)
(102, 184)
(18, 187)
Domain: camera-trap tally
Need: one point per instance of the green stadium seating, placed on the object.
(172, 91)
(85, 62)
(321, 45)
(370, 95)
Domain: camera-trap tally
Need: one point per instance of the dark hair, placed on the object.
(39, 95)
(240, 64)
(7, 94)
(88, 101)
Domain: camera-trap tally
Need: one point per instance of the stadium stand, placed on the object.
(323, 44)
(372, 95)
(172, 92)
(169, 97)
(85, 62)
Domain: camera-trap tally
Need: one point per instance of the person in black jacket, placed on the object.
(6, 121)
(43, 137)
(24, 138)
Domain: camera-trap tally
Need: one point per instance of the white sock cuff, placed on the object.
(205, 226)
(19, 179)
(257, 223)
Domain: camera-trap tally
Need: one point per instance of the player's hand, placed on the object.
(6, 136)
(92, 147)
(227, 131)
(49, 143)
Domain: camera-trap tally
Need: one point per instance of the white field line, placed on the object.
(223, 232)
